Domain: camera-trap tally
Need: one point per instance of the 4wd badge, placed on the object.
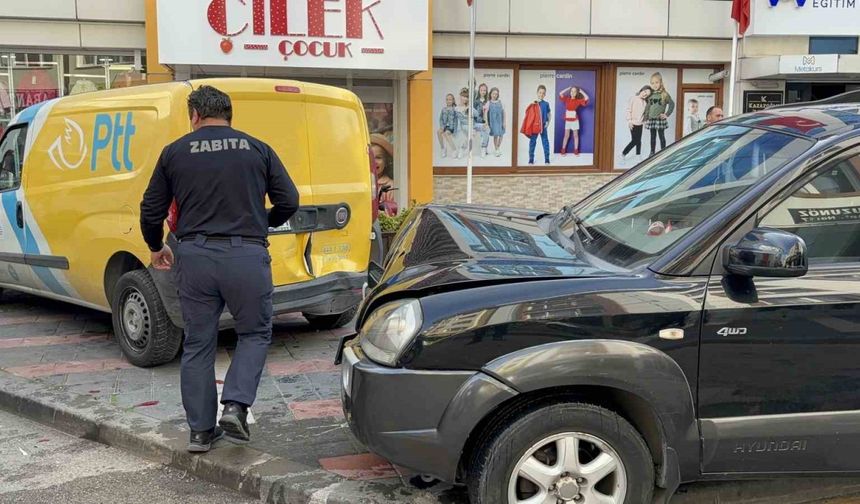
(732, 331)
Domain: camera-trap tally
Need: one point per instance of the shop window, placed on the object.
(27, 79)
(100, 60)
(832, 45)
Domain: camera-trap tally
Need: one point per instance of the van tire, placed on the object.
(142, 327)
(334, 321)
(502, 449)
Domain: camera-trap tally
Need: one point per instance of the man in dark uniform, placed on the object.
(219, 178)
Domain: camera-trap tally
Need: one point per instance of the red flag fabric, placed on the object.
(469, 2)
(741, 14)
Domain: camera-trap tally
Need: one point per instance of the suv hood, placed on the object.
(454, 247)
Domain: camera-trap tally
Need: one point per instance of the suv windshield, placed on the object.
(637, 217)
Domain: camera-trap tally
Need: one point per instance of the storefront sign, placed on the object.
(755, 101)
(818, 215)
(805, 17)
(351, 34)
(809, 64)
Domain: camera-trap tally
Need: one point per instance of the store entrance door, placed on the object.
(811, 91)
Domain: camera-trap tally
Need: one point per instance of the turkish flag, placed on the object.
(741, 14)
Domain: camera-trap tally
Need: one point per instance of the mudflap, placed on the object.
(165, 282)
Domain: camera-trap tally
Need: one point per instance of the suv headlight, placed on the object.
(390, 329)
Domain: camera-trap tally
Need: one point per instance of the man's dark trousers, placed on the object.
(212, 273)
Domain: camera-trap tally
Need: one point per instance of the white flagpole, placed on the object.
(733, 71)
(471, 132)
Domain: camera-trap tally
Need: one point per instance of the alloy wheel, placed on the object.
(571, 467)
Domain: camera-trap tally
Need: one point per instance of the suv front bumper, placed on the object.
(416, 419)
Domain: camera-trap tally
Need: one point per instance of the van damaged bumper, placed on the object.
(331, 294)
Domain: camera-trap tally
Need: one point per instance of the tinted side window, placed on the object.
(825, 213)
(12, 158)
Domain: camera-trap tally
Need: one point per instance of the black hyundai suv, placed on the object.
(697, 318)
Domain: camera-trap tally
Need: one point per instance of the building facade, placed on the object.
(53, 48)
(608, 81)
(594, 63)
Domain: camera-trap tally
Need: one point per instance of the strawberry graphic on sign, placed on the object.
(217, 15)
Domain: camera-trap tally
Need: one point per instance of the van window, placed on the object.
(825, 213)
(12, 158)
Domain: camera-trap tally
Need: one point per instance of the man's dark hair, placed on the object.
(210, 103)
(541, 87)
(693, 100)
(710, 109)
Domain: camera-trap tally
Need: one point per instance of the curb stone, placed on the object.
(254, 473)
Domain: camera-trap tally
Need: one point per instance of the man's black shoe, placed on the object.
(234, 421)
(201, 441)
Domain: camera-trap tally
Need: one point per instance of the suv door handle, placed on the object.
(19, 215)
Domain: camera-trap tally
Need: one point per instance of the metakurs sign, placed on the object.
(805, 17)
(350, 34)
(809, 64)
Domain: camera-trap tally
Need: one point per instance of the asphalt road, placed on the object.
(39, 465)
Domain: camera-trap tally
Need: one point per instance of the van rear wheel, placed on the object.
(140, 322)
(333, 321)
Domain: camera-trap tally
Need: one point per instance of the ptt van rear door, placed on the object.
(278, 118)
(341, 183)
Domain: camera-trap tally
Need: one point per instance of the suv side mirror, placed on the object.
(767, 252)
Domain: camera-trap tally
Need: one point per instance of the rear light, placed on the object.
(287, 89)
(374, 190)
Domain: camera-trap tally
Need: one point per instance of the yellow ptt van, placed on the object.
(74, 170)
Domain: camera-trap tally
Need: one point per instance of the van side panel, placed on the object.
(340, 174)
(279, 120)
(85, 174)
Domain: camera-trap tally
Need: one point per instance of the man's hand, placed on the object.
(163, 259)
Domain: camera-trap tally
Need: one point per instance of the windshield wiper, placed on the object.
(567, 214)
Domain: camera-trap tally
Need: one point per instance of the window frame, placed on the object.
(9, 131)
(851, 150)
(831, 39)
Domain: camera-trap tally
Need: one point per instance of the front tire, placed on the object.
(334, 321)
(565, 452)
(140, 322)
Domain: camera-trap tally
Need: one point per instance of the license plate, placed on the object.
(349, 362)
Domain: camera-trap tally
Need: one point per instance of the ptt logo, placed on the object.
(800, 3)
(107, 134)
(71, 145)
(110, 132)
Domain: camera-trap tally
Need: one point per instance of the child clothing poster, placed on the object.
(646, 113)
(491, 107)
(696, 105)
(568, 98)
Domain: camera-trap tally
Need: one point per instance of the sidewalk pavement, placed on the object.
(59, 365)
